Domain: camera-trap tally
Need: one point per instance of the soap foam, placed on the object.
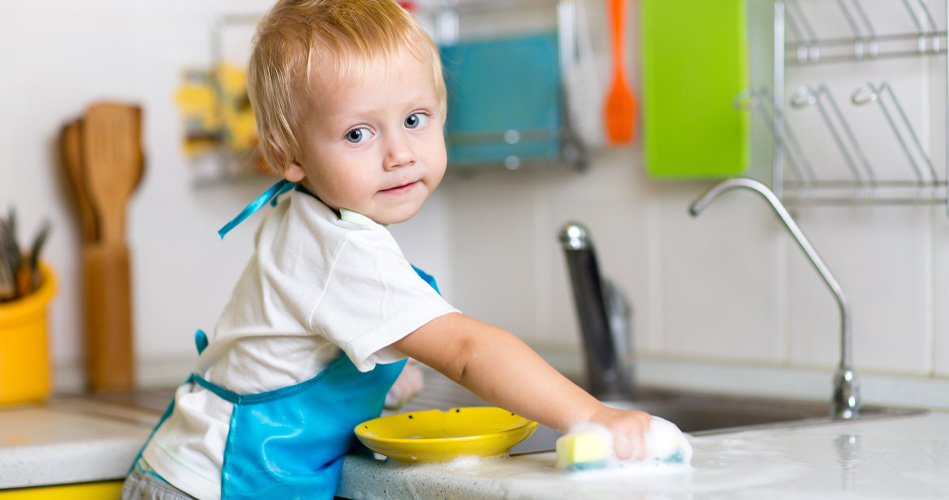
(468, 461)
(667, 449)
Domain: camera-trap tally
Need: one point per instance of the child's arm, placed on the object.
(501, 369)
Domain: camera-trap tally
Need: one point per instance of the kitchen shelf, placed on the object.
(840, 166)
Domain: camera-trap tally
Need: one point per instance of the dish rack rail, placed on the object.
(798, 177)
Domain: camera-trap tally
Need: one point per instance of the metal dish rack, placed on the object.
(801, 180)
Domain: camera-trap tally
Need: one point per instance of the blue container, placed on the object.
(504, 100)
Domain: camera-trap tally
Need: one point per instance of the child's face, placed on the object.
(373, 145)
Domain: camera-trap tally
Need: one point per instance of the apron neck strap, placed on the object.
(269, 195)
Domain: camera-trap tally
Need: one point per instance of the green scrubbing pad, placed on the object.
(584, 450)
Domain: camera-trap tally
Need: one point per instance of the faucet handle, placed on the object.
(575, 236)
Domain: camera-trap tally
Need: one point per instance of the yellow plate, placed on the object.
(437, 436)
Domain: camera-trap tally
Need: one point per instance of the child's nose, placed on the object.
(398, 151)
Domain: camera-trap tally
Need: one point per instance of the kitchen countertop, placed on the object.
(49, 444)
(78, 439)
(75, 439)
(886, 458)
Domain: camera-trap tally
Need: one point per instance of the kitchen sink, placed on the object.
(703, 414)
(694, 413)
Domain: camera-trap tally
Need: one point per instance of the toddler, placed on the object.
(350, 104)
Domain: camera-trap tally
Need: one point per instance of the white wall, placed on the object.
(723, 301)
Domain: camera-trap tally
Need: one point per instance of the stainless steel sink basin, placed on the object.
(694, 413)
(703, 414)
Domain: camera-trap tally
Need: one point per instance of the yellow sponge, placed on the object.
(584, 450)
(590, 446)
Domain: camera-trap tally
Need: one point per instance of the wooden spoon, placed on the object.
(71, 146)
(112, 161)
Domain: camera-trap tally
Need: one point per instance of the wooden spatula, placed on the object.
(113, 163)
(71, 146)
(112, 154)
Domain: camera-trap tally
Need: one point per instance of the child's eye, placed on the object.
(415, 120)
(358, 135)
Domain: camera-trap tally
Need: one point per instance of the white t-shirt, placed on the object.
(318, 283)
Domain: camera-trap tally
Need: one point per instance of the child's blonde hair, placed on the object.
(351, 33)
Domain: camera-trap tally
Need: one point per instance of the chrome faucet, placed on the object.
(604, 316)
(846, 396)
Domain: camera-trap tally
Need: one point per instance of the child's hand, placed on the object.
(627, 427)
(406, 387)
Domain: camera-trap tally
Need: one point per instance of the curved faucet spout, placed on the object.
(846, 398)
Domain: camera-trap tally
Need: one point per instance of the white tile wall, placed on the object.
(720, 279)
(492, 253)
(881, 258)
(940, 298)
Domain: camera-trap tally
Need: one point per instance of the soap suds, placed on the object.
(667, 450)
(467, 461)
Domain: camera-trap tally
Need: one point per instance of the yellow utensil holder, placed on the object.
(24, 352)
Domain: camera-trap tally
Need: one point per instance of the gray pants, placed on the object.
(141, 485)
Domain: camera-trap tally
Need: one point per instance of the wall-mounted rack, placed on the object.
(865, 43)
(220, 138)
(801, 177)
(231, 166)
(515, 66)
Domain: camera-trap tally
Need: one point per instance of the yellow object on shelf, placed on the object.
(106, 490)
(217, 111)
(24, 353)
(437, 436)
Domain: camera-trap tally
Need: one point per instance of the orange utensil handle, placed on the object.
(618, 25)
(110, 353)
(620, 107)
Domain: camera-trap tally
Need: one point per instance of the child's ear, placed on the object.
(293, 172)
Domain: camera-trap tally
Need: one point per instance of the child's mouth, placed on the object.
(400, 189)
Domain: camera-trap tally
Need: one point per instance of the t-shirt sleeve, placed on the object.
(373, 297)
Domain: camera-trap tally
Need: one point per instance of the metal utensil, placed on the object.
(38, 241)
(7, 280)
(11, 252)
(19, 268)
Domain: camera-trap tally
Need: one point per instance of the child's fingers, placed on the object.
(627, 428)
(639, 445)
(628, 436)
(623, 445)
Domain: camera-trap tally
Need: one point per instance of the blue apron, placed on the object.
(290, 443)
